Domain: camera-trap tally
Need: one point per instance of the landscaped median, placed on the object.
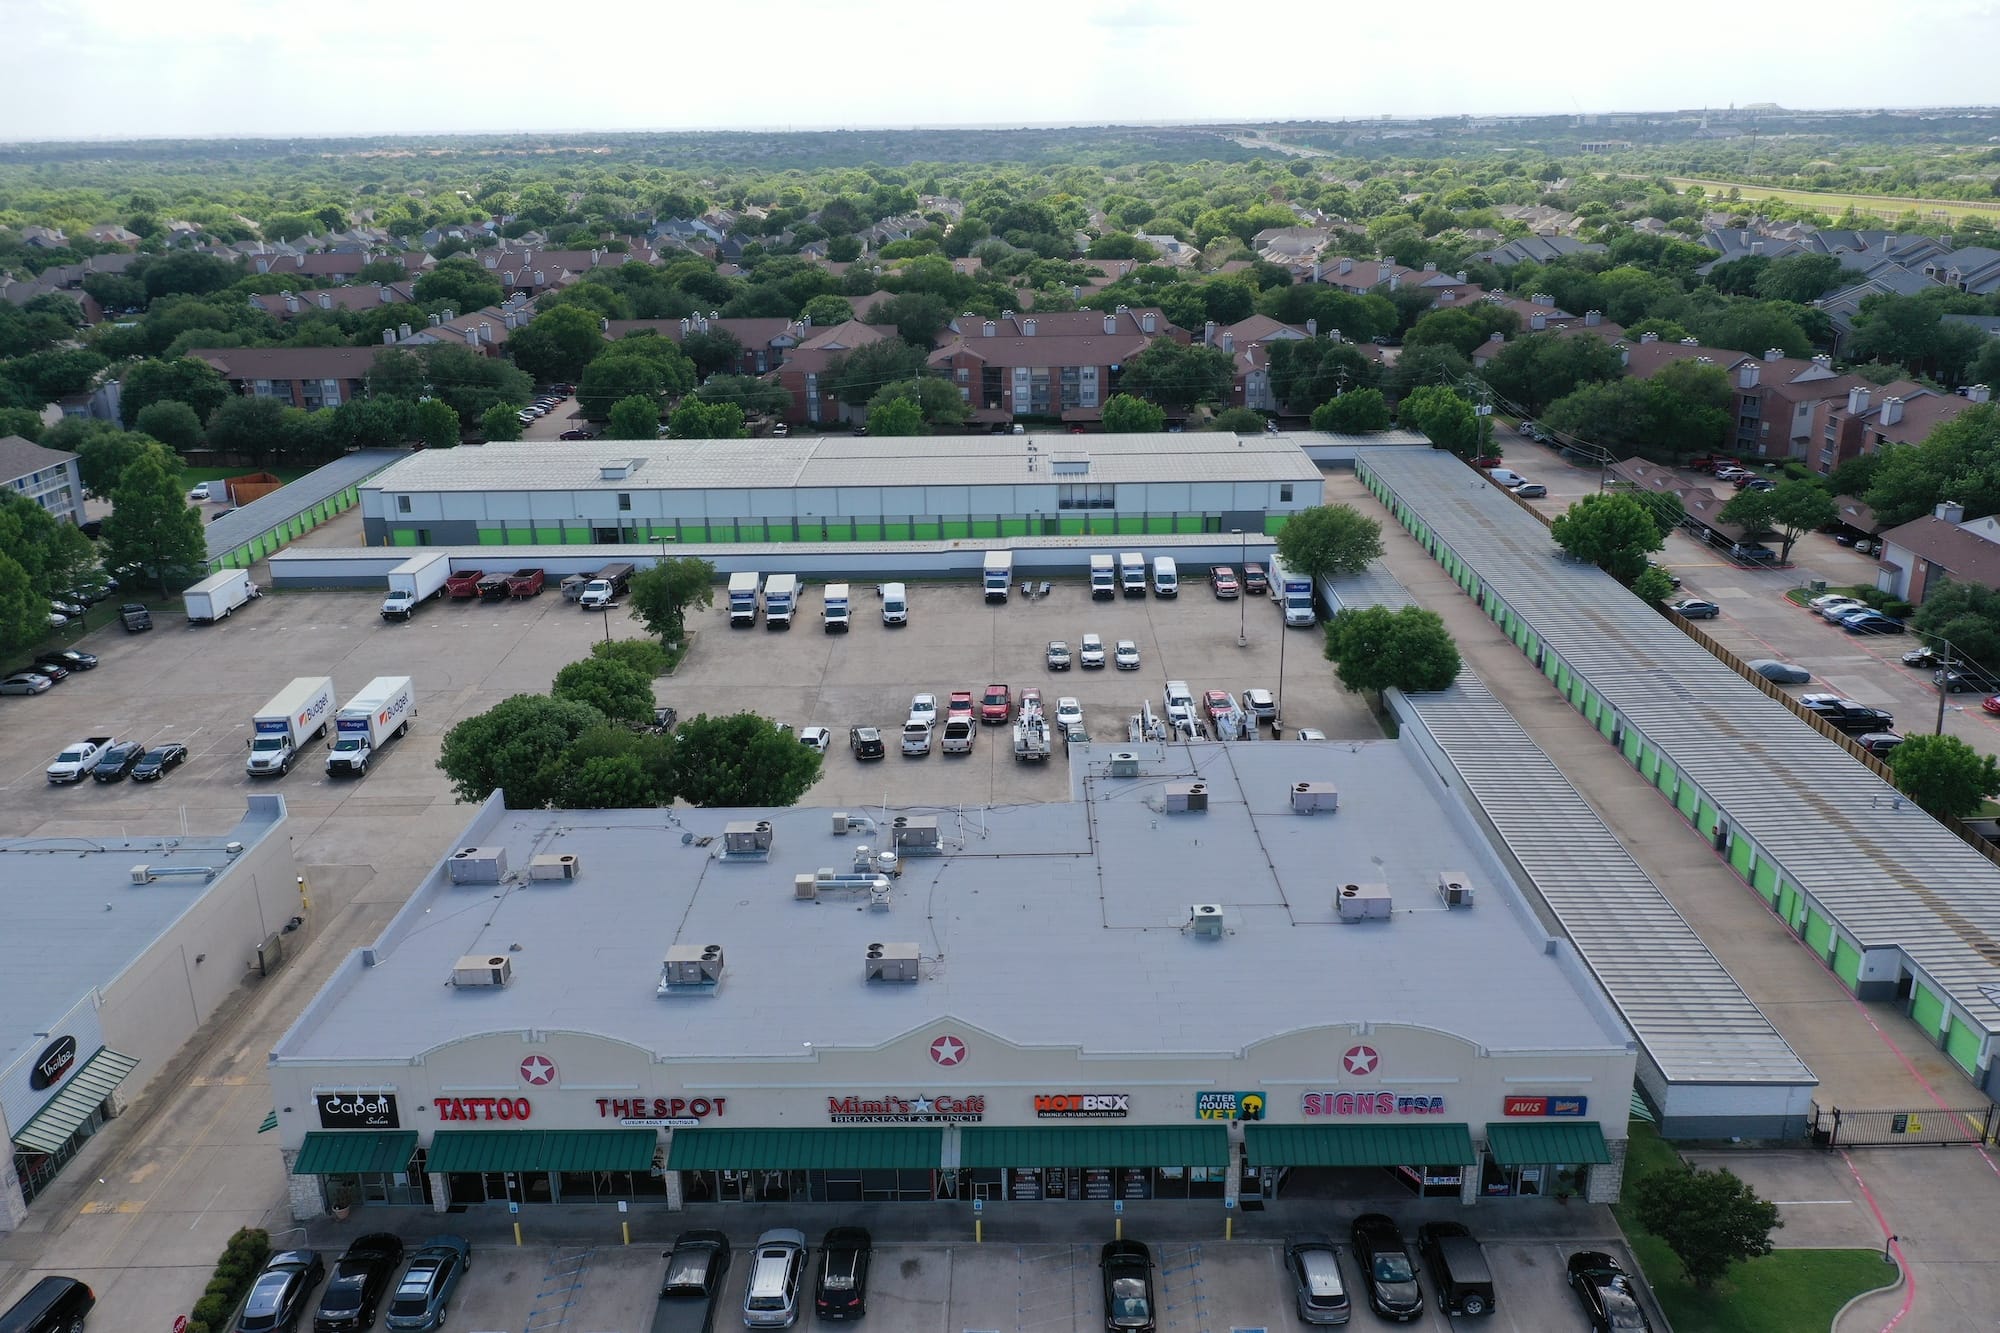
(1785, 1291)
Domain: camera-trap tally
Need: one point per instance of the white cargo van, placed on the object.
(1166, 579)
(895, 604)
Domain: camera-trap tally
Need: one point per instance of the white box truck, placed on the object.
(835, 616)
(999, 574)
(1294, 593)
(216, 596)
(743, 600)
(1132, 573)
(1166, 578)
(296, 716)
(1103, 577)
(781, 597)
(380, 711)
(416, 579)
(895, 604)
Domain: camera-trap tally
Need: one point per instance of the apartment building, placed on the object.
(305, 377)
(1056, 364)
(49, 477)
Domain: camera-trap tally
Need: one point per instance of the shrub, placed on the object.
(241, 1260)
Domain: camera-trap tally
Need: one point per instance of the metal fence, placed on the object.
(1836, 1127)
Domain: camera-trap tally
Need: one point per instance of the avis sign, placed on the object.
(1540, 1106)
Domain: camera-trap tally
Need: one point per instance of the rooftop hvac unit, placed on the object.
(746, 838)
(142, 874)
(840, 823)
(692, 965)
(1455, 887)
(891, 962)
(1363, 902)
(1205, 919)
(1124, 764)
(1182, 797)
(805, 888)
(914, 832)
(563, 866)
(1310, 798)
(483, 969)
(478, 865)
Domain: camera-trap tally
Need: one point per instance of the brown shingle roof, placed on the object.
(20, 456)
(1966, 556)
(289, 363)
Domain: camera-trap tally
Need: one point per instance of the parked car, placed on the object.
(1308, 734)
(1218, 704)
(1847, 715)
(53, 1305)
(691, 1288)
(1259, 704)
(70, 659)
(1960, 680)
(25, 682)
(1457, 1267)
(575, 435)
(1837, 607)
(117, 761)
(1694, 608)
(815, 738)
(1880, 743)
(1223, 580)
(996, 706)
(135, 617)
(277, 1299)
(958, 704)
(69, 609)
(1673, 579)
(1784, 673)
(1870, 621)
(200, 493)
(355, 1287)
(1057, 655)
(1314, 1267)
(841, 1291)
(1991, 704)
(1126, 655)
(427, 1284)
(865, 742)
(1031, 701)
(1386, 1268)
(1090, 653)
(916, 739)
(159, 761)
(55, 671)
(1127, 1270)
(1925, 659)
(1826, 599)
(1069, 713)
(1255, 583)
(1610, 1299)
(777, 1265)
(1531, 490)
(923, 708)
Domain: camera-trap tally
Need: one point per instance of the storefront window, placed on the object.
(1532, 1180)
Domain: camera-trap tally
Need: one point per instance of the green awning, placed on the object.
(1641, 1111)
(1096, 1145)
(1546, 1141)
(456, 1150)
(1358, 1145)
(350, 1152)
(881, 1149)
(270, 1122)
(63, 1114)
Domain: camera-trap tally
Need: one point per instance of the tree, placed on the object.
(1791, 510)
(917, 315)
(1959, 460)
(398, 372)
(698, 420)
(1709, 1219)
(649, 659)
(1240, 420)
(753, 395)
(616, 689)
(173, 423)
(1356, 412)
(102, 456)
(854, 377)
(1126, 415)
(1613, 531)
(1535, 370)
(638, 418)
(616, 768)
(713, 351)
(1329, 539)
(1373, 648)
(1654, 585)
(21, 421)
(501, 422)
(521, 745)
(53, 554)
(740, 760)
(557, 344)
(614, 379)
(826, 310)
(1178, 376)
(152, 526)
(183, 379)
(247, 427)
(1965, 615)
(436, 424)
(470, 383)
(24, 614)
(1944, 775)
(460, 283)
(898, 416)
(660, 596)
(936, 400)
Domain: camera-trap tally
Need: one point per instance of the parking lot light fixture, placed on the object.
(1242, 602)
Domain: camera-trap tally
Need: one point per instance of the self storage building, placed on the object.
(1216, 972)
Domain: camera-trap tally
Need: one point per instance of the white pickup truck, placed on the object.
(76, 759)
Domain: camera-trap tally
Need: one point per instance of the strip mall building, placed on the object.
(1223, 971)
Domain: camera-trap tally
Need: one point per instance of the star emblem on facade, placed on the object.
(538, 1071)
(948, 1051)
(1361, 1060)
(921, 1106)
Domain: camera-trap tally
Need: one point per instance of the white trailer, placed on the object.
(781, 598)
(296, 716)
(379, 712)
(999, 574)
(836, 608)
(415, 580)
(217, 596)
(743, 600)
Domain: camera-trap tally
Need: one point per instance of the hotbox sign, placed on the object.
(1524, 1106)
(357, 1110)
(1083, 1106)
(52, 1063)
(917, 1110)
(1367, 1103)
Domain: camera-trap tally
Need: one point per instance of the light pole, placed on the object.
(1943, 683)
(1278, 702)
(1242, 600)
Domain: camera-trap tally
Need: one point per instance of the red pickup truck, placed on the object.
(465, 583)
(524, 583)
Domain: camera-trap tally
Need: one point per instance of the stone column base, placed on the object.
(306, 1194)
(1608, 1180)
(440, 1193)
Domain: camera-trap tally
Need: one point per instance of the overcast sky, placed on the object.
(125, 69)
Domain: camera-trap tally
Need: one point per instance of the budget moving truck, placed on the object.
(999, 574)
(381, 710)
(1132, 573)
(742, 600)
(781, 597)
(836, 608)
(1293, 592)
(1103, 577)
(418, 578)
(283, 727)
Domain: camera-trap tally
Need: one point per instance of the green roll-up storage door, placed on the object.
(1927, 1010)
(1847, 964)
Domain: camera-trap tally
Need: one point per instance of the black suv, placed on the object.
(53, 1305)
(355, 1287)
(116, 762)
(1846, 715)
(842, 1290)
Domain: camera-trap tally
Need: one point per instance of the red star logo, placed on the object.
(948, 1051)
(538, 1071)
(1361, 1060)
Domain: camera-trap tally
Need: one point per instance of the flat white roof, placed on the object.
(842, 460)
(1054, 924)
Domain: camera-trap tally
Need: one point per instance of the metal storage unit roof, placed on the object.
(1888, 874)
(287, 502)
(1695, 1022)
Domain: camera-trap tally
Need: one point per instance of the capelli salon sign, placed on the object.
(357, 1110)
